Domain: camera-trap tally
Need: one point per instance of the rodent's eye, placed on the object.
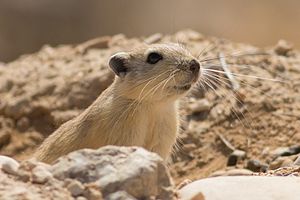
(154, 58)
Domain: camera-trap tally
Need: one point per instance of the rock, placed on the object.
(283, 47)
(153, 38)
(18, 107)
(40, 175)
(138, 172)
(92, 192)
(81, 198)
(297, 161)
(4, 137)
(281, 162)
(256, 166)
(286, 151)
(24, 175)
(75, 187)
(239, 172)
(198, 106)
(235, 156)
(120, 195)
(186, 35)
(12, 188)
(23, 124)
(232, 172)
(9, 165)
(242, 187)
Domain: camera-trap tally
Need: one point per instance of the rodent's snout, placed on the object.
(194, 67)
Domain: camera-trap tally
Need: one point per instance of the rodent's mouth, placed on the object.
(183, 87)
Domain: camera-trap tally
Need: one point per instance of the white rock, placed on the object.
(9, 165)
(40, 175)
(120, 195)
(131, 169)
(243, 187)
(76, 188)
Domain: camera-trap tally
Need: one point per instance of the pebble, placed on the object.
(93, 194)
(283, 47)
(81, 198)
(153, 38)
(40, 175)
(256, 166)
(9, 165)
(76, 188)
(199, 106)
(121, 195)
(297, 161)
(239, 172)
(235, 156)
(286, 151)
(23, 175)
(4, 138)
(232, 172)
(23, 124)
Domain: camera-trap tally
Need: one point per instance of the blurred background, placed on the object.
(26, 25)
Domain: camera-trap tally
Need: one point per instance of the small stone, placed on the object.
(239, 172)
(283, 47)
(9, 165)
(120, 195)
(286, 151)
(76, 188)
(93, 194)
(235, 156)
(153, 38)
(40, 175)
(23, 175)
(297, 161)
(23, 124)
(232, 160)
(189, 147)
(218, 173)
(256, 166)
(5, 137)
(81, 198)
(199, 106)
(232, 172)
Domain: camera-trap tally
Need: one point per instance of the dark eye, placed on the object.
(154, 58)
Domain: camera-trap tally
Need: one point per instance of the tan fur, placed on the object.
(138, 109)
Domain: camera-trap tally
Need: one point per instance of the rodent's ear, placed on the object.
(118, 64)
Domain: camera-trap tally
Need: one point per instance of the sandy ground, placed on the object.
(41, 91)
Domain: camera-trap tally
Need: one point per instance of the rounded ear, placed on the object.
(118, 62)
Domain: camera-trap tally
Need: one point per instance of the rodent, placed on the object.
(138, 109)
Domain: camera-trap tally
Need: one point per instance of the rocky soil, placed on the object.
(107, 173)
(248, 124)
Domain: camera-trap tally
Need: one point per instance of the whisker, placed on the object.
(235, 112)
(247, 76)
(236, 56)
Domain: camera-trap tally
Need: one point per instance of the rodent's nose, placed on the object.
(194, 66)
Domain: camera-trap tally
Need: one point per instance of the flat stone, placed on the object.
(243, 187)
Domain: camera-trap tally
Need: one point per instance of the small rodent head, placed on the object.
(155, 72)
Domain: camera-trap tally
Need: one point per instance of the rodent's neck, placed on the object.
(119, 93)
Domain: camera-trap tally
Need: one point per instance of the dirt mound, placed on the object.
(223, 128)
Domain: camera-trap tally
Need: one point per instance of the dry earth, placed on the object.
(256, 126)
